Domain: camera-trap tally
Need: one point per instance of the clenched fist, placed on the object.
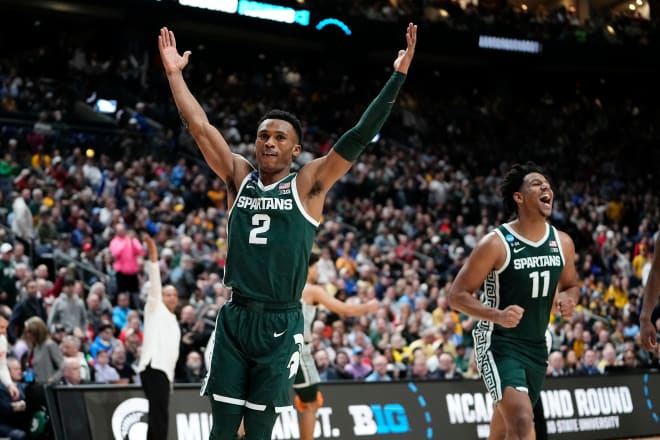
(510, 317)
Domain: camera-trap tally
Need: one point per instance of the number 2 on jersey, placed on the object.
(262, 223)
(535, 282)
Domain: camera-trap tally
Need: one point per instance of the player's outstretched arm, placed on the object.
(323, 172)
(313, 294)
(229, 167)
(484, 258)
(648, 333)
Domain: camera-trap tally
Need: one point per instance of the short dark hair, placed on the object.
(105, 326)
(284, 116)
(69, 280)
(513, 182)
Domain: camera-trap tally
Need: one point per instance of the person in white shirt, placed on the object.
(5, 377)
(160, 347)
(23, 224)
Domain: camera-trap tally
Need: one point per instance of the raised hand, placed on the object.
(403, 60)
(172, 61)
(151, 247)
(510, 317)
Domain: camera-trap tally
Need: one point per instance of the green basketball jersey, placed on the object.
(528, 279)
(270, 238)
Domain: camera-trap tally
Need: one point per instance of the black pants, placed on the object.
(129, 283)
(156, 387)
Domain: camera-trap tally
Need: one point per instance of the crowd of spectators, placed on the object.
(606, 23)
(398, 227)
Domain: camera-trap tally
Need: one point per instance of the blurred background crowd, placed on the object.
(78, 187)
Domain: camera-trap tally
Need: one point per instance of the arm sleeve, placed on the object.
(56, 289)
(155, 289)
(351, 144)
(57, 359)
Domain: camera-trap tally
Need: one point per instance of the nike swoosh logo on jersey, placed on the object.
(516, 250)
(277, 335)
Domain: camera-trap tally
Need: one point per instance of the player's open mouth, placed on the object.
(546, 199)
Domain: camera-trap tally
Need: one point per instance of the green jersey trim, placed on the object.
(527, 241)
(508, 253)
(240, 189)
(272, 185)
(559, 245)
(301, 208)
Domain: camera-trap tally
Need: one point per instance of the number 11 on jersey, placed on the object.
(535, 283)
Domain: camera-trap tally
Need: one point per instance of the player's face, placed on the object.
(537, 193)
(276, 145)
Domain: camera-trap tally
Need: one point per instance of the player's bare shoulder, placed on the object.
(566, 241)
(492, 247)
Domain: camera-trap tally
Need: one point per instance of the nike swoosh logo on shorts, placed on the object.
(277, 335)
(516, 250)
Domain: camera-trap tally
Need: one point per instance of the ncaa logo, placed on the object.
(129, 419)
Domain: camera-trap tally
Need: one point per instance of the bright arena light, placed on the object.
(229, 6)
(509, 44)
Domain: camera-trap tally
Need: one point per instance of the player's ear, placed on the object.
(517, 197)
(297, 148)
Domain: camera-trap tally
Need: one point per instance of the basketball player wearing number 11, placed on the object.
(521, 265)
(273, 216)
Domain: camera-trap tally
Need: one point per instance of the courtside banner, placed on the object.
(598, 408)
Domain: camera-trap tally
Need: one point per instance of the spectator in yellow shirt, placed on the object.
(618, 292)
(640, 260)
(425, 343)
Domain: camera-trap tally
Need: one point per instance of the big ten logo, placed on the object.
(286, 425)
(373, 419)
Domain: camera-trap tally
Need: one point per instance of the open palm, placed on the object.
(172, 61)
(403, 60)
